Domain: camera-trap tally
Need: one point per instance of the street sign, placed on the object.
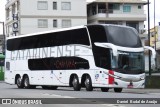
(15, 16)
(15, 27)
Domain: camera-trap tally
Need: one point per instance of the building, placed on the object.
(29, 16)
(155, 36)
(1, 42)
(122, 12)
(155, 43)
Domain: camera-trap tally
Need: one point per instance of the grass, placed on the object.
(153, 82)
(1, 75)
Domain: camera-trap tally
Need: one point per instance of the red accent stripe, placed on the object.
(111, 79)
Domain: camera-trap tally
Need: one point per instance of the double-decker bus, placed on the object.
(91, 56)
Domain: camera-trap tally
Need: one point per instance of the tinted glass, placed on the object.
(101, 55)
(60, 63)
(129, 63)
(123, 36)
(76, 36)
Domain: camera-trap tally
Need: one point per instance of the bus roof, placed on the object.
(50, 31)
(64, 29)
(111, 25)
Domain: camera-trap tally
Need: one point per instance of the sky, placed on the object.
(157, 19)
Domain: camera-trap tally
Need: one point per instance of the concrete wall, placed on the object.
(30, 25)
(78, 8)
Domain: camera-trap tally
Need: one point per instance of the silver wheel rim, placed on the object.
(26, 82)
(19, 81)
(74, 82)
(87, 82)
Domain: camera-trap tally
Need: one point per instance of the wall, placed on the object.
(78, 8)
(30, 25)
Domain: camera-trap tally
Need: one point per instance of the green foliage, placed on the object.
(153, 82)
(1, 75)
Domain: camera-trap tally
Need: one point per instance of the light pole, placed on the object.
(149, 40)
(4, 38)
(155, 33)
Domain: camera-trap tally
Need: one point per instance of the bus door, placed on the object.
(103, 62)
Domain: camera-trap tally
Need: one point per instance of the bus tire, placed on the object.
(88, 83)
(27, 83)
(117, 90)
(19, 82)
(75, 83)
(104, 89)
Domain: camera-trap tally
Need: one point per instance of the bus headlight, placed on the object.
(142, 77)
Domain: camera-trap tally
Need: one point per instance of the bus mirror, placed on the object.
(108, 45)
(151, 49)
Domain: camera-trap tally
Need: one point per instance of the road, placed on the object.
(66, 93)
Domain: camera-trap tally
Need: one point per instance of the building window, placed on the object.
(66, 23)
(13, 9)
(126, 8)
(116, 6)
(7, 13)
(42, 23)
(66, 5)
(42, 5)
(133, 24)
(139, 7)
(18, 4)
(54, 5)
(54, 23)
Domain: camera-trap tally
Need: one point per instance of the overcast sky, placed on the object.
(3, 2)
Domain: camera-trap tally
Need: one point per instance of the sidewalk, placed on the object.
(142, 90)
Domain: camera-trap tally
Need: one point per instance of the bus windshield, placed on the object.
(127, 37)
(128, 62)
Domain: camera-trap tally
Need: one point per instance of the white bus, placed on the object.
(91, 56)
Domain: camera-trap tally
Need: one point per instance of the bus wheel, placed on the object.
(104, 89)
(27, 84)
(19, 82)
(75, 82)
(117, 90)
(88, 83)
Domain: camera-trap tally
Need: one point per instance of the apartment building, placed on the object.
(122, 12)
(30, 16)
(1, 42)
(155, 43)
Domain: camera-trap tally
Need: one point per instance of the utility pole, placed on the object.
(155, 33)
(4, 38)
(149, 55)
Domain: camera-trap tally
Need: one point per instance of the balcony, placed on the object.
(116, 15)
(10, 2)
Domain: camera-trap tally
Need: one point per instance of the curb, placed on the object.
(1, 81)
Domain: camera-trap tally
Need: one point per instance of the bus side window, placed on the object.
(7, 65)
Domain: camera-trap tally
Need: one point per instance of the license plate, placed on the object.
(130, 86)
